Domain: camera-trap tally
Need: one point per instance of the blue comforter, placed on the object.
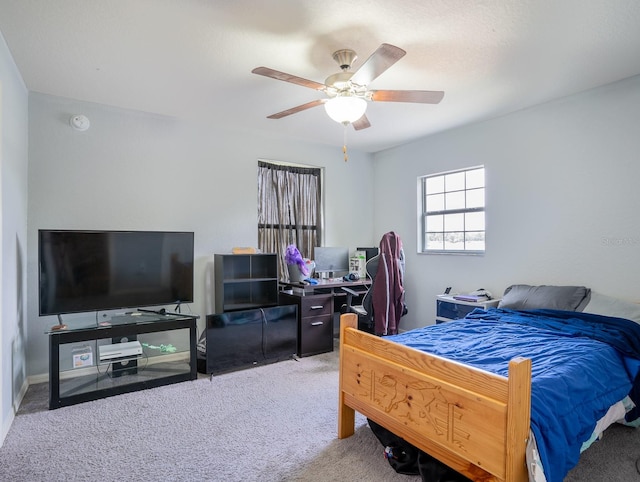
(581, 365)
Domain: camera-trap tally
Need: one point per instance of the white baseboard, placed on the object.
(23, 391)
(40, 378)
(6, 425)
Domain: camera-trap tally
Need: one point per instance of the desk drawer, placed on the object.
(454, 311)
(316, 335)
(317, 305)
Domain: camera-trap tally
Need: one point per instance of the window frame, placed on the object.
(423, 214)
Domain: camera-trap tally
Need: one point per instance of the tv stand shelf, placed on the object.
(76, 373)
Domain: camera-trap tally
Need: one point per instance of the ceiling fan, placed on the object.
(347, 92)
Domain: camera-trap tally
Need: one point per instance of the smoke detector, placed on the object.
(79, 122)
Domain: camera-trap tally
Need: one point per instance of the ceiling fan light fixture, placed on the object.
(347, 93)
(345, 109)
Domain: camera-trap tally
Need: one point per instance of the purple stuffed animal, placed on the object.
(293, 256)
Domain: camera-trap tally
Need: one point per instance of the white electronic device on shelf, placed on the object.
(119, 351)
(358, 263)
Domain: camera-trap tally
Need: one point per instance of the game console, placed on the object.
(119, 351)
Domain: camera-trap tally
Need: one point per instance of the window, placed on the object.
(289, 209)
(452, 218)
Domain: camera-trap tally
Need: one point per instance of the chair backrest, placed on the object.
(387, 288)
(372, 269)
(365, 320)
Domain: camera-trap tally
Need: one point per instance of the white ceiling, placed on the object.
(193, 58)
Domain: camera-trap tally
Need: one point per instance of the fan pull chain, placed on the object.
(344, 145)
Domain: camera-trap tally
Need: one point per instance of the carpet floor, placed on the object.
(271, 423)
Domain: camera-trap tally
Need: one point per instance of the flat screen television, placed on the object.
(81, 271)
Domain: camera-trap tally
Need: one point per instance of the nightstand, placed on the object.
(448, 308)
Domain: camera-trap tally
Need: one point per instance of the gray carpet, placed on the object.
(271, 423)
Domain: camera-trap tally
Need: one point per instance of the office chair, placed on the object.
(365, 310)
(388, 295)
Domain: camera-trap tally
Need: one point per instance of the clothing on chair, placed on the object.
(383, 303)
(387, 295)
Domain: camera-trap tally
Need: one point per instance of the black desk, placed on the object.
(318, 305)
(327, 286)
(76, 374)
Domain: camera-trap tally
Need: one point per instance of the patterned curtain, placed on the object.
(289, 210)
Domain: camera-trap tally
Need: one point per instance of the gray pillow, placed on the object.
(526, 297)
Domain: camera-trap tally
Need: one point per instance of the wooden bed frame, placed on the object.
(474, 421)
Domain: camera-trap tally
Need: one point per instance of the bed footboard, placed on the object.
(474, 421)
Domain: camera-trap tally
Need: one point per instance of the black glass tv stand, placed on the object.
(125, 353)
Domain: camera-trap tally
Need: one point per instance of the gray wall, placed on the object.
(138, 171)
(561, 204)
(13, 215)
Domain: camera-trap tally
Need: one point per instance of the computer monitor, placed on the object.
(331, 261)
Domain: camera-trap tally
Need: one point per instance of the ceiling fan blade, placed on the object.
(297, 109)
(275, 74)
(377, 63)
(361, 123)
(417, 96)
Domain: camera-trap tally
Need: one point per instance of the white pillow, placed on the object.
(609, 306)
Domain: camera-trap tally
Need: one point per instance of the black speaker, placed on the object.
(127, 367)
